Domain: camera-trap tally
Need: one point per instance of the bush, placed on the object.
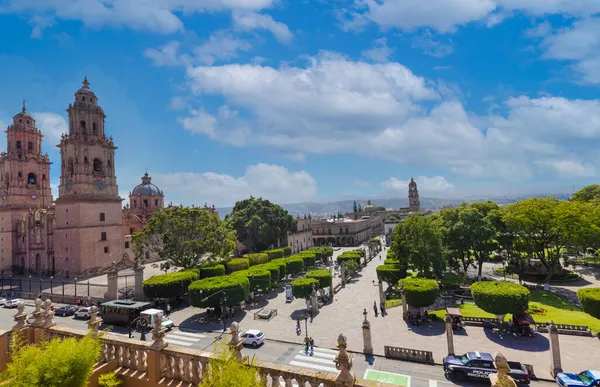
(259, 278)
(361, 253)
(452, 281)
(590, 301)
(302, 287)
(237, 264)
(274, 254)
(212, 271)
(323, 276)
(294, 265)
(55, 363)
(344, 257)
(203, 293)
(169, 285)
(374, 240)
(309, 259)
(109, 380)
(500, 297)
(420, 292)
(327, 251)
(256, 259)
(317, 251)
(282, 264)
(273, 269)
(391, 274)
(287, 251)
(390, 261)
(226, 370)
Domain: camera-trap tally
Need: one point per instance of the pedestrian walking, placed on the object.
(312, 346)
(311, 315)
(168, 310)
(382, 309)
(298, 327)
(375, 308)
(306, 345)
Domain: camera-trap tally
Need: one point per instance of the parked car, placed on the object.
(83, 313)
(585, 378)
(67, 310)
(253, 337)
(12, 303)
(3, 301)
(479, 366)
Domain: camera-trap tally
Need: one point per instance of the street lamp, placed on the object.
(306, 325)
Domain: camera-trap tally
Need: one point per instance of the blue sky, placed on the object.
(313, 100)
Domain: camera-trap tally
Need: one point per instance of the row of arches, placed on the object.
(97, 165)
(31, 177)
(20, 146)
(83, 127)
(339, 241)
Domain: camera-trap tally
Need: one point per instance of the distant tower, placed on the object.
(89, 228)
(413, 196)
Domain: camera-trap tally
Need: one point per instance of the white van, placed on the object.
(152, 314)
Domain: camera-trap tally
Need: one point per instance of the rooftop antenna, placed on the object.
(24, 105)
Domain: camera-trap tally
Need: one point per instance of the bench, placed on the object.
(266, 314)
(408, 354)
(566, 329)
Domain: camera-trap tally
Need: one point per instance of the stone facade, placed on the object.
(346, 232)
(302, 239)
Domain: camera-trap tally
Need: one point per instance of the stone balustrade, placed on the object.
(155, 363)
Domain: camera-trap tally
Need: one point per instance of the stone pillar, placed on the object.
(501, 379)
(343, 362)
(381, 293)
(20, 318)
(158, 333)
(449, 335)
(48, 315)
(404, 306)
(367, 342)
(38, 314)
(235, 343)
(314, 303)
(556, 366)
(95, 321)
(113, 286)
(139, 282)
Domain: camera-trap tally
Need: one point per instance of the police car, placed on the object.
(479, 366)
(583, 379)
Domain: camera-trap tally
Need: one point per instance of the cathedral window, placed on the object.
(31, 178)
(85, 160)
(94, 128)
(105, 249)
(102, 217)
(155, 202)
(103, 236)
(19, 146)
(82, 126)
(126, 245)
(135, 204)
(70, 167)
(29, 147)
(20, 174)
(145, 202)
(97, 166)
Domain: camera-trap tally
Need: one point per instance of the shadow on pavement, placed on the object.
(210, 322)
(539, 343)
(428, 328)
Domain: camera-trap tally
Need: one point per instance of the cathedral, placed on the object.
(85, 228)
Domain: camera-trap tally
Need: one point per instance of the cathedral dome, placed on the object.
(146, 188)
(85, 89)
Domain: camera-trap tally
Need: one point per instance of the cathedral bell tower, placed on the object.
(413, 196)
(88, 208)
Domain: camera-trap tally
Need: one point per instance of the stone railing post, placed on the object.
(314, 304)
(449, 335)
(20, 318)
(404, 306)
(343, 362)
(139, 282)
(4, 349)
(95, 321)
(112, 282)
(381, 293)
(501, 379)
(154, 354)
(367, 340)
(48, 315)
(556, 366)
(235, 343)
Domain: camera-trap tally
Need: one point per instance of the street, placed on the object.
(401, 373)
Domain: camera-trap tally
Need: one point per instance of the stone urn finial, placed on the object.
(159, 333)
(21, 317)
(38, 314)
(501, 379)
(95, 321)
(235, 343)
(48, 315)
(343, 362)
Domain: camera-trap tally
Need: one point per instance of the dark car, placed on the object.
(586, 378)
(479, 366)
(67, 310)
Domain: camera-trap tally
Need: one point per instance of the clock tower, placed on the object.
(88, 208)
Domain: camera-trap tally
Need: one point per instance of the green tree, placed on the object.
(500, 298)
(355, 207)
(590, 193)
(418, 240)
(185, 237)
(511, 248)
(55, 363)
(260, 223)
(226, 370)
(455, 239)
(476, 219)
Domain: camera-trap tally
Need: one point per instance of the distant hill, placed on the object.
(322, 209)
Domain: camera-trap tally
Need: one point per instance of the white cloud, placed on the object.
(432, 47)
(272, 182)
(165, 56)
(580, 45)
(295, 156)
(160, 16)
(52, 126)
(379, 52)
(539, 31)
(253, 21)
(220, 46)
(39, 24)
(424, 184)
(569, 168)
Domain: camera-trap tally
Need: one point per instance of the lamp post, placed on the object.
(29, 283)
(51, 285)
(306, 325)
(75, 283)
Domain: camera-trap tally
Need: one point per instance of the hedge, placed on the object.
(287, 251)
(212, 271)
(237, 264)
(347, 257)
(169, 285)
(309, 259)
(302, 287)
(323, 276)
(374, 240)
(391, 274)
(390, 261)
(259, 278)
(500, 297)
(274, 254)
(361, 253)
(452, 281)
(257, 258)
(319, 254)
(294, 265)
(327, 251)
(420, 292)
(203, 293)
(274, 269)
(282, 264)
(590, 301)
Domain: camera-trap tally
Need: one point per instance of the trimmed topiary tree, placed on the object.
(323, 276)
(259, 278)
(212, 271)
(391, 274)
(257, 258)
(500, 298)
(294, 265)
(287, 251)
(169, 285)
(237, 264)
(309, 259)
(390, 261)
(302, 287)
(208, 292)
(420, 292)
(282, 264)
(273, 269)
(590, 301)
(274, 254)
(348, 257)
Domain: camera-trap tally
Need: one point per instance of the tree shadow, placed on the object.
(429, 328)
(258, 303)
(209, 322)
(538, 343)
